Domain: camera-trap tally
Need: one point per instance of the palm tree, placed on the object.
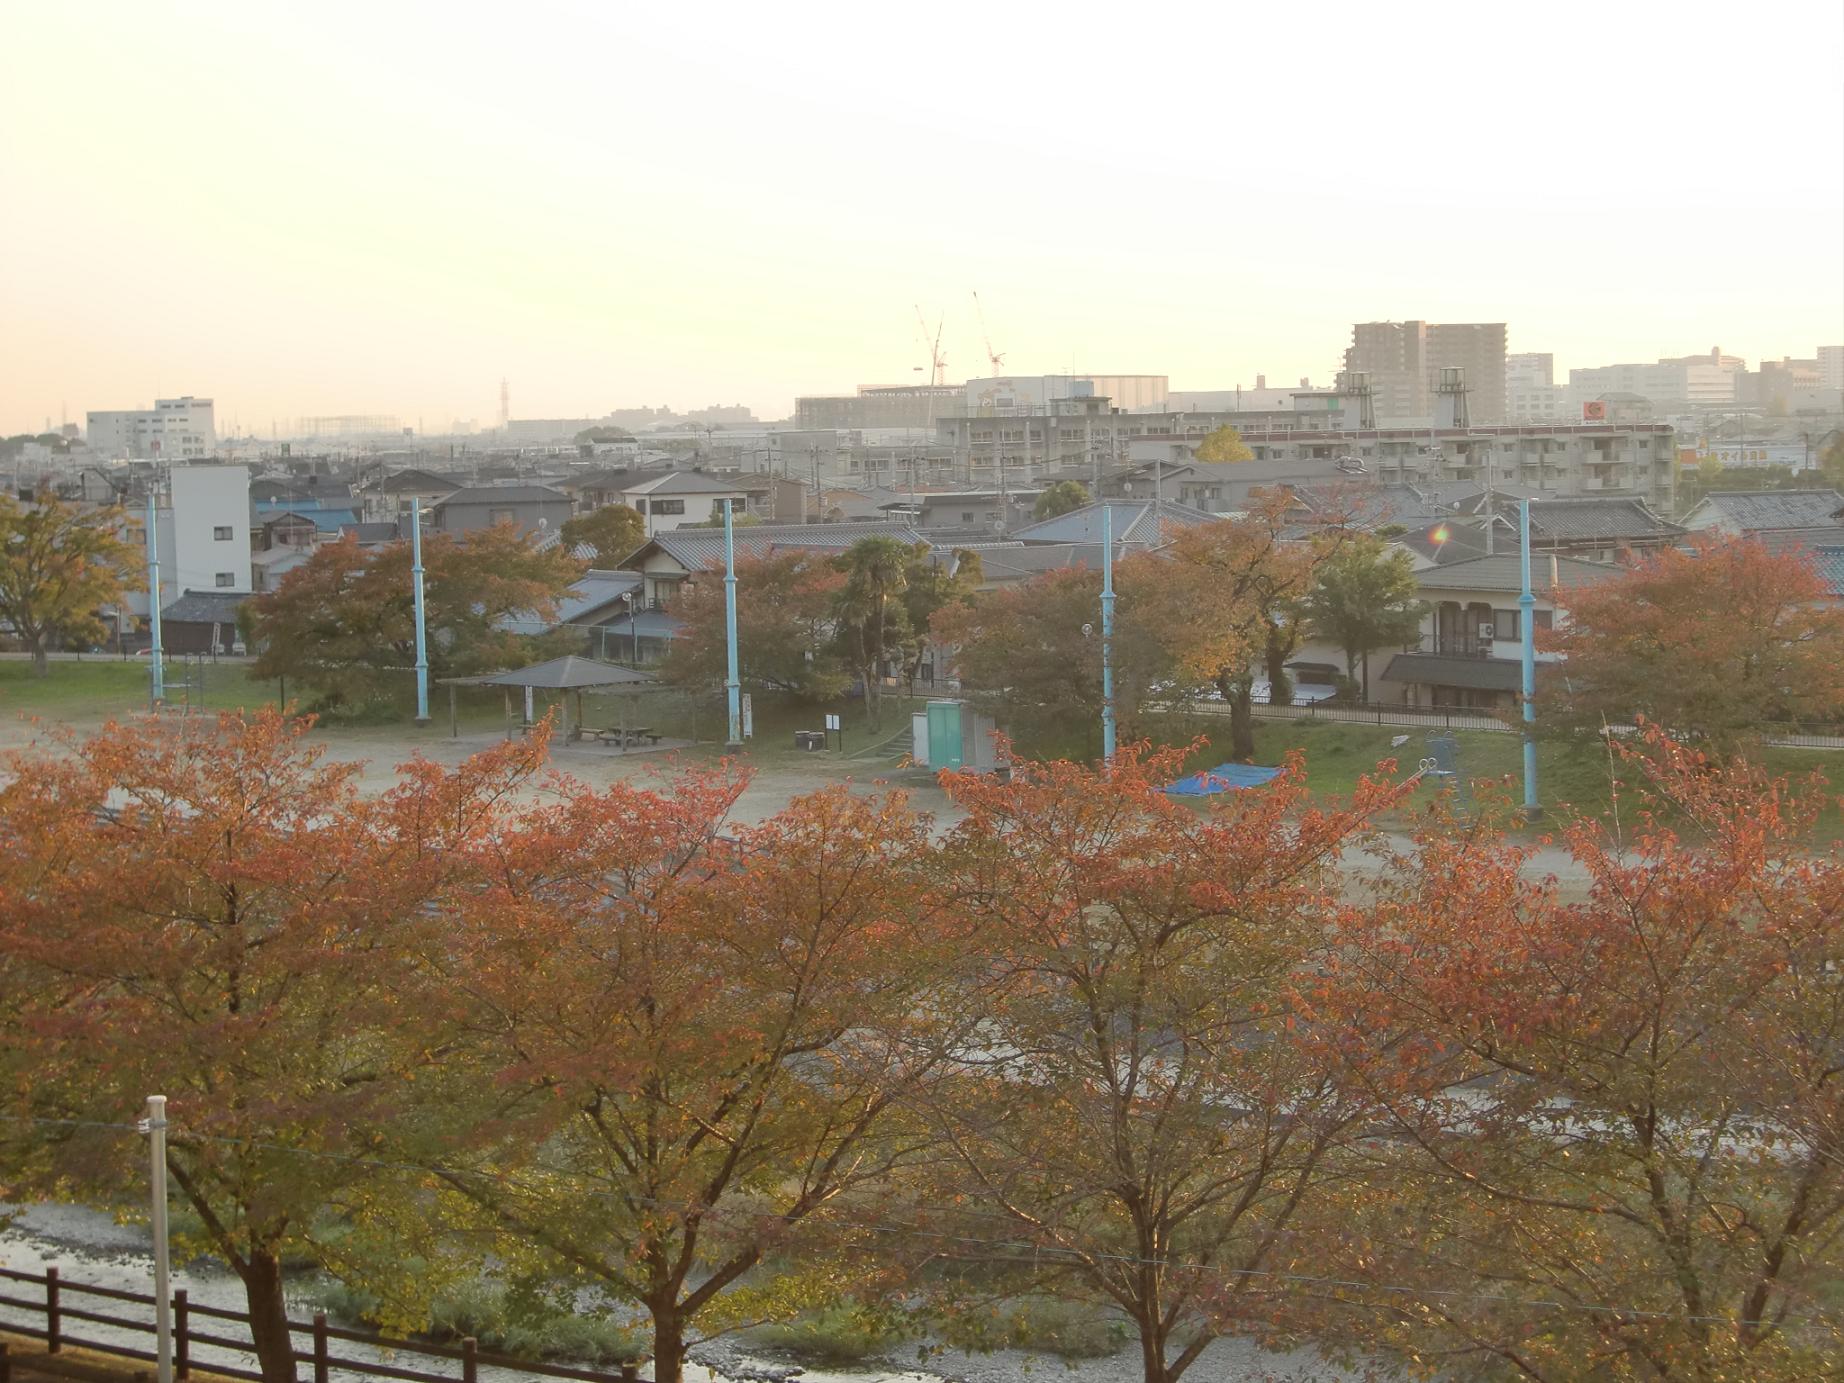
(869, 615)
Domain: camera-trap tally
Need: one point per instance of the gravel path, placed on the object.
(88, 1246)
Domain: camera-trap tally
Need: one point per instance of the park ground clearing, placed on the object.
(82, 695)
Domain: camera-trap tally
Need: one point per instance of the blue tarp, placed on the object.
(1222, 778)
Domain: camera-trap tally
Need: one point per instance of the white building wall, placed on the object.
(1831, 366)
(182, 429)
(205, 531)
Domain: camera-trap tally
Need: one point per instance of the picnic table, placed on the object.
(626, 736)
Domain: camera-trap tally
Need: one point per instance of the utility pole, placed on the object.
(155, 666)
(1526, 616)
(422, 638)
(1107, 636)
(155, 1126)
(733, 686)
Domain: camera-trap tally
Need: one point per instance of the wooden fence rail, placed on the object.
(50, 1304)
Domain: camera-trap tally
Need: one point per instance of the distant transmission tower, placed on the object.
(505, 405)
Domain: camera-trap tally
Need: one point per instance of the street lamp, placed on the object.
(1107, 634)
(422, 640)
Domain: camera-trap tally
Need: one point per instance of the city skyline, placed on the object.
(390, 211)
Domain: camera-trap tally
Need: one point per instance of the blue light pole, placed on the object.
(1107, 634)
(1527, 626)
(155, 661)
(422, 637)
(733, 686)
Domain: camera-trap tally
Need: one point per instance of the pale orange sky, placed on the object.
(347, 208)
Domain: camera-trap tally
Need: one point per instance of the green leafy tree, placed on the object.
(1364, 597)
(1224, 445)
(871, 621)
(343, 623)
(1061, 498)
(931, 583)
(59, 565)
(604, 434)
(614, 531)
(784, 627)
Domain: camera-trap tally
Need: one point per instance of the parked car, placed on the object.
(1304, 693)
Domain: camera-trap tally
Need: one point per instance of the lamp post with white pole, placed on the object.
(155, 659)
(1107, 635)
(733, 685)
(422, 639)
(1526, 617)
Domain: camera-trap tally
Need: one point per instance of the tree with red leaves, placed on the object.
(209, 911)
(677, 1044)
(1159, 1102)
(1709, 642)
(1619, 1120)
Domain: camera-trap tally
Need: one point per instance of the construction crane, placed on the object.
(996, 357)
(937, 366)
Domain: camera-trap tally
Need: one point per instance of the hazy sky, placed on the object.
(385, 207)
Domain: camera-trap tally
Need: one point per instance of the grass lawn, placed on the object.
(97, 689)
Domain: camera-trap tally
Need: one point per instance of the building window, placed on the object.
(227, 578)
(669, 506)
(495, 516)
(221, 533)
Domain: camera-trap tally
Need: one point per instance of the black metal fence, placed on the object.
(197, 1324)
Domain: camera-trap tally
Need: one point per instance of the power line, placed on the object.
(1036, 1251)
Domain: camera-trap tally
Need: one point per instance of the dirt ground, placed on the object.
(773, 779)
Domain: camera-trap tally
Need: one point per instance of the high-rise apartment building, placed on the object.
(1831, 366)
(1404, 358)
(180, 429)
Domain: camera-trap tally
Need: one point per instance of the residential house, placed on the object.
(987, 511)
(1138, 524)
(280, 544)
(678, 499)
(1471, 647)
(1757, 511)
(1599, 528)
(670, 559)
(1010, 563)
(397, 492)
(202, 622)
(1229, 487)
(534, 509)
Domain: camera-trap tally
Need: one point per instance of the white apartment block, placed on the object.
(180, 429)
(1672, 386)
(205, 531)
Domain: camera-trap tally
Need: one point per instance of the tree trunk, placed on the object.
(1152, 1352)
(1241, 697)
(41, 660)
(1366, 676)
(668, 1342)
(1280, 685)
(262, 1287)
